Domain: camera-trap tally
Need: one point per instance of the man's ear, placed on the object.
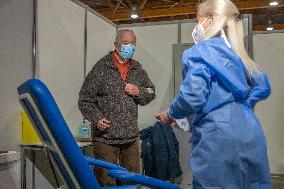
(211, 19)
(116, 44)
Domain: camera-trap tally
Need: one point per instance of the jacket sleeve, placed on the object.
(147, 90)
(260, 89)
(88, 97)
(193, 91)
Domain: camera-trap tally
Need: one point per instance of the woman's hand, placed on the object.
(164, 117)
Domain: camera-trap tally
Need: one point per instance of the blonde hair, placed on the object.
(225, 16)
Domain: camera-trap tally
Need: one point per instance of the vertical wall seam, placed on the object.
(250, 34)
(179, 33)
(34, 40)
(85, 43)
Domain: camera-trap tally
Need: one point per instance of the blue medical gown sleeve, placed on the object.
(260, 89)
(193, 91)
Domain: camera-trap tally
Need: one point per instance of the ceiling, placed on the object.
(119, 11)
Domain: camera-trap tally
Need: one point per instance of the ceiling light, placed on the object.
(274, 3)
(134, 15)
(269, 28)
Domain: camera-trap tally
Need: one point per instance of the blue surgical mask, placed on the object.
(198, 33)
(127, 50)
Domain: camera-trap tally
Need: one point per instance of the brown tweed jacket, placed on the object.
(102, 96)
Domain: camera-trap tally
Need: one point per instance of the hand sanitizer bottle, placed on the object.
(84, 129)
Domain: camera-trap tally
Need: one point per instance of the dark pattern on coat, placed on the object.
(102, 96)
(160, 152)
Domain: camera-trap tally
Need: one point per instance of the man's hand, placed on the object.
(132, 90)
(164, 117)
(103, 124)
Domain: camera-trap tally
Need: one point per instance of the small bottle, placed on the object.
(84, 130)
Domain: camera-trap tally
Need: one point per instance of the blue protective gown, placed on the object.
(229, 144)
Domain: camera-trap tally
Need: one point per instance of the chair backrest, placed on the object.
(51, 127)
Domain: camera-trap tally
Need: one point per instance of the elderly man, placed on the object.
(109, 99)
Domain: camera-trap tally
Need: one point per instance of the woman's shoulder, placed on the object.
(205, 46)
(208, 50)
(201, 51)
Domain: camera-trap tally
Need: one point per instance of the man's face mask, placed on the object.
(198, 32)
(127, 50)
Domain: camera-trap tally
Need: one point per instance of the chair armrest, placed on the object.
(141, 179)
(103, 164)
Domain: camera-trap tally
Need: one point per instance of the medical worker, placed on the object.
(222, 84)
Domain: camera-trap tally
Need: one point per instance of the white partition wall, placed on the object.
(268, 53)
(61, 54)
(15, 66)
(101, 35)
(186, 31)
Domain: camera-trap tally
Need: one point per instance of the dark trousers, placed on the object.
(125, 155)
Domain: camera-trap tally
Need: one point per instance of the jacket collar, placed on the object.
(110, 63)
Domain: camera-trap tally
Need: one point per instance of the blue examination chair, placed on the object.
(73, 167)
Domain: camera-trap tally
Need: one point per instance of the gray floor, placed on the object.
(278, 181)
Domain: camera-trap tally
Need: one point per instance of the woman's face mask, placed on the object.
(126, 51)
(198, 33)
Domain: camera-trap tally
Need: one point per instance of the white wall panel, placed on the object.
(101, 36)
(15, 66)
(245, 24)
(269, 54)
(186, 31)
(61, 54)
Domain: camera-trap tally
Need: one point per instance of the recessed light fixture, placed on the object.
(274, 3)
(134, 15)
(269, 28)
